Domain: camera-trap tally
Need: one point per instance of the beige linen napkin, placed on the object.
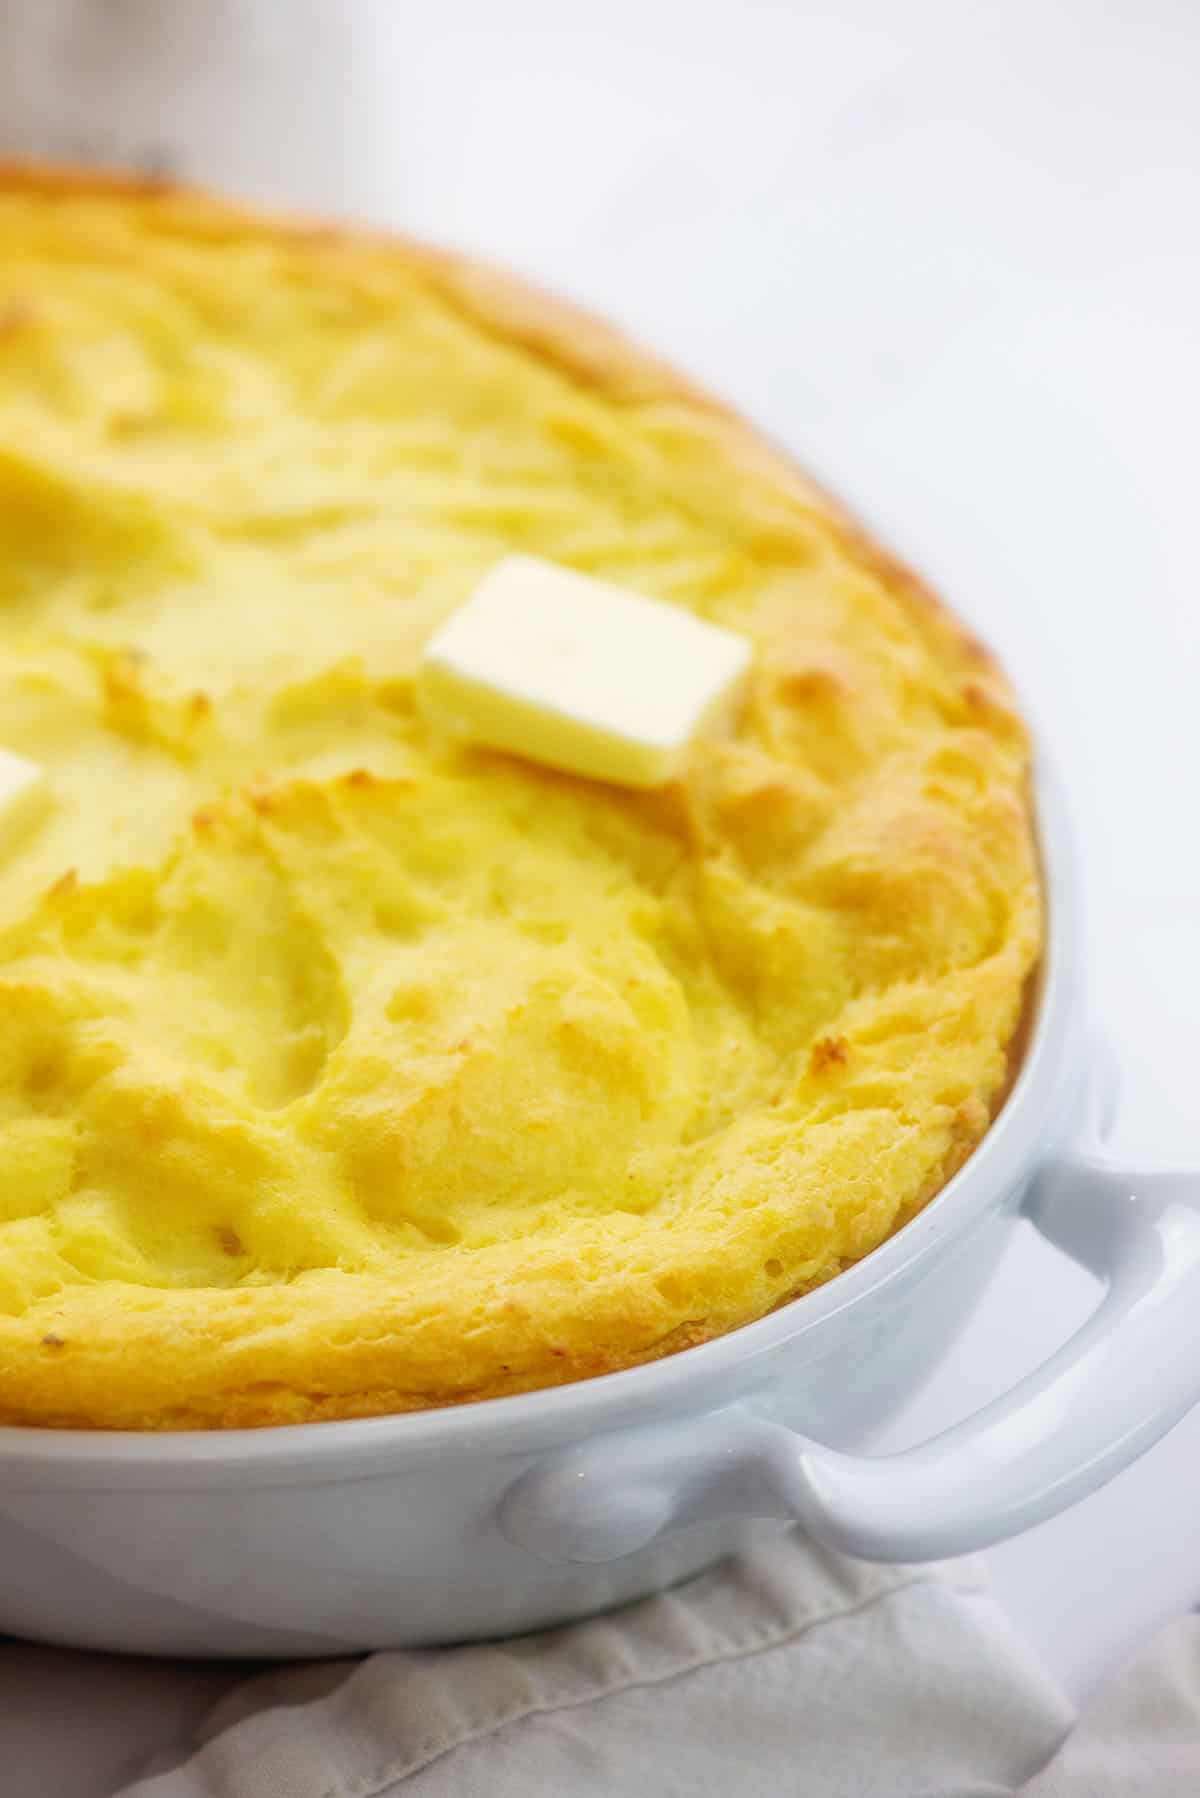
(786, 1670)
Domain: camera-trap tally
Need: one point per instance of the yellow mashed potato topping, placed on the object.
(346, 1069)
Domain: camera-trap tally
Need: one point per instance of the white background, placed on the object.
(950, 254)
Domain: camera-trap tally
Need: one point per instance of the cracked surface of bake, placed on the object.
(343, 1070)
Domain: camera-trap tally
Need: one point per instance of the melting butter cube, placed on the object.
(580, 674)
(24, 796)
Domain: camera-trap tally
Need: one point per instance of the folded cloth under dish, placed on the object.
(785, 1670)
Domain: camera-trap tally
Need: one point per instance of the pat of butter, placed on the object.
(24, 796)
(579, 674)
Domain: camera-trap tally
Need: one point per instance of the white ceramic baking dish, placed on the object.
(496, 1517)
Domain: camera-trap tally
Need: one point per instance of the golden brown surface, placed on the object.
(346, 1071)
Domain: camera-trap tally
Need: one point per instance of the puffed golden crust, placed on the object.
(346, 1071)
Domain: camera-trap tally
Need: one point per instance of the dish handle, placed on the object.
(1120, 1382)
